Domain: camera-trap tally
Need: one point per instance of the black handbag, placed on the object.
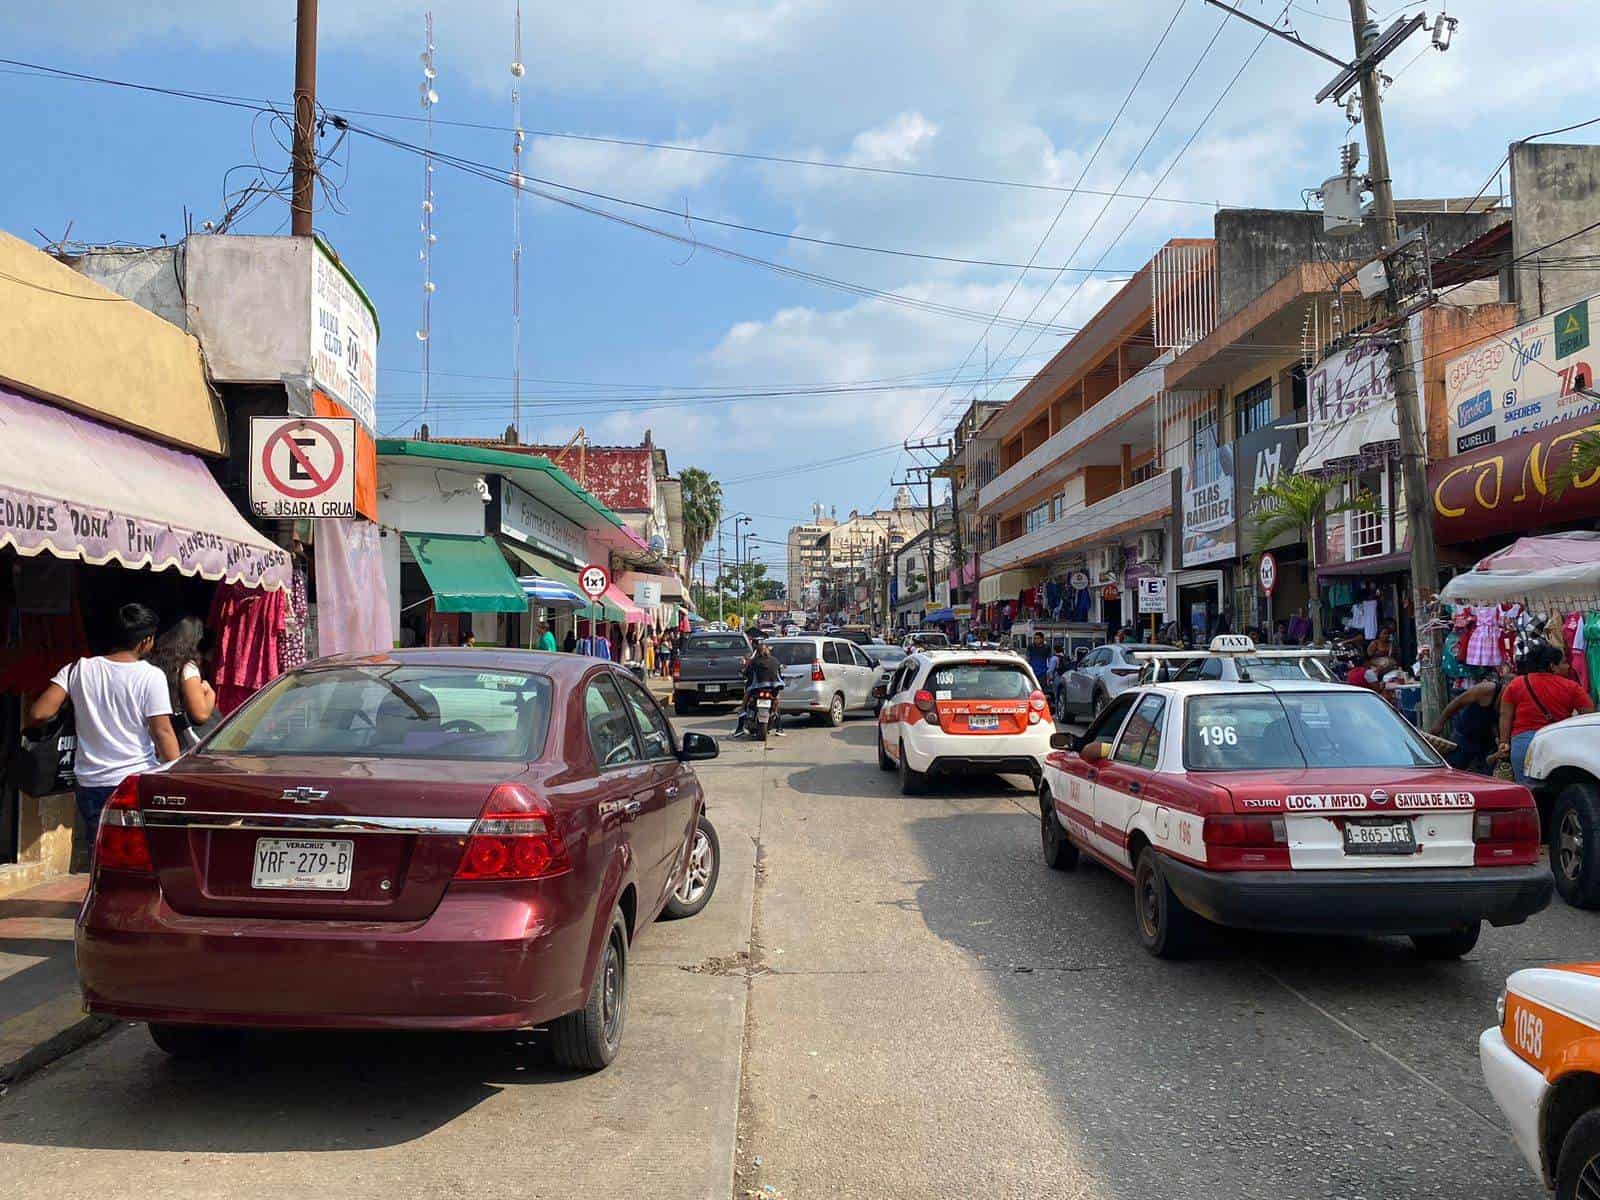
(43, 763)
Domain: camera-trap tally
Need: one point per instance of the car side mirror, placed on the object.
(880, 692)
(697, 747)
(1063, 741)
(1095, 751)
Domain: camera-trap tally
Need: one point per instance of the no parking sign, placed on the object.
(301, 467)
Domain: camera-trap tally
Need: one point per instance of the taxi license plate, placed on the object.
(710, 688)
(307, 864)
(976, 722)
(1379, 837)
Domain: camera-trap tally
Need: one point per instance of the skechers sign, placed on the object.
(1520, 381)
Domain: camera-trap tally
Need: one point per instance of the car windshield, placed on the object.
(795, 654)
(394, 711)
(934, 640)
(884, 655)
(716, 643)
(1244, 731)
(980, 681)
(1257, 668)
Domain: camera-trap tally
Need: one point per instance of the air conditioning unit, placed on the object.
(1150, 547)
(1101, 565)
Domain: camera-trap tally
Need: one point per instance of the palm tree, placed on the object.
(702, 509)
(1584, 463)
(1292, 505)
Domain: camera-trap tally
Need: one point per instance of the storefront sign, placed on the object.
(1350, 405)
(300, 468)
(1153, 594)
(1507, 487)
(344, 339)
(1207, 507)
(520, 515)
(1263, 457)
(1079, 580)
(961, 612)
(1521, 381)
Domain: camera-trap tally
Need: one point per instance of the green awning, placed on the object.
(467, 574)
(548, 568)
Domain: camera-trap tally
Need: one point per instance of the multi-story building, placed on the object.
(808, 555)
(859, 549)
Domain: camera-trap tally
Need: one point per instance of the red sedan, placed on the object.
(429, 839)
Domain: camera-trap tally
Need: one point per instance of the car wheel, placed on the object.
(1166, 927)
(194, 1041)
(587, 1040)
(1574, 854)
(911, 781)
(885, 763)
(1442, 947)
(699, 880)
(836, 710)
(683, 704)
(1578, 1159)
(1097, 704)
(1059, 852)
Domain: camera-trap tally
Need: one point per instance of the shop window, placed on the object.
(1252, 409)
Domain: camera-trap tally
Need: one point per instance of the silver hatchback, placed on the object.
(824, 676)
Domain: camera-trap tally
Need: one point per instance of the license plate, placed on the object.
(1379, 837)
(308, 864)
(763, 705)
(709, 688)
(983, 722)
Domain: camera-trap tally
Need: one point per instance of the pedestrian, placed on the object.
(547, 640)
(1368, 673)
(1039, 656)
(570, 645)
(122, 708)
(648, 644)
(178, 655)
(1474, 718)
(469, 640)
(664, 653)
(1535, 698)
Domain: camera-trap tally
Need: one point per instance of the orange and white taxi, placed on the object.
(960, 712)
(1542, 1064)
(1288, 804)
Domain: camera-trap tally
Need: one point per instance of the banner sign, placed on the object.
(524, 517)
(344, 339)
(1350, 405)
(1262, 458)
(1209, 533)
(1506, 487)
(1520, 381)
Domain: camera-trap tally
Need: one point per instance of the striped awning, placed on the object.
(550, 593)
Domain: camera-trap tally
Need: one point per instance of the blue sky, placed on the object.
(1020, 92)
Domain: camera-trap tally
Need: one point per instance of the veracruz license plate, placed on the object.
(308, 864)
(1392, 836)
(977, 722)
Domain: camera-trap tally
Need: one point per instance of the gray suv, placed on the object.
(825, 676)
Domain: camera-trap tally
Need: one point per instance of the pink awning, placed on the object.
(632, 613)
(78, 489)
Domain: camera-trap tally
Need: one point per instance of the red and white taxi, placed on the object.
(957, 712)
(1288, 804)
(1542, 1064)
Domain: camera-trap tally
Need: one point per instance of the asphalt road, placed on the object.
(921, 1010)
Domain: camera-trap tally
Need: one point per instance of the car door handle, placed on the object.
(1136, 787)
(671, 789)
(1094, 774)
(631, 809)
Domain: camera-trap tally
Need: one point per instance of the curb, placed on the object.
(42, 1035)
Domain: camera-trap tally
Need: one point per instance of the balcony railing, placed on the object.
(1137, 390)
(1147, 499)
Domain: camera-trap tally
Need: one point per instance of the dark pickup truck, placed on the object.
(709, 667)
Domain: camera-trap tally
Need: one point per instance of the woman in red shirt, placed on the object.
(1534, 699)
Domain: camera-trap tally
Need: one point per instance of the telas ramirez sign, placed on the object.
(1206, 506)
(1520, 381)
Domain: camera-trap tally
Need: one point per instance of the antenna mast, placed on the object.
(518, 137)
(429, 99)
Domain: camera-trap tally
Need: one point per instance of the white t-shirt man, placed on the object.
(112, 703)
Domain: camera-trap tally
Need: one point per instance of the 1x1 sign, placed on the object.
(594, 581)
(301, 467)
(1268, 571)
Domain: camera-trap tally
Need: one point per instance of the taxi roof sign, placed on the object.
(1232, 643)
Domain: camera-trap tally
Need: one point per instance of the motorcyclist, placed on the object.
(762, 670)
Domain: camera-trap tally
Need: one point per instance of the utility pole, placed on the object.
(304, 156)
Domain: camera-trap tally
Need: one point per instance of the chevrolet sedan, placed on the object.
(427, 839)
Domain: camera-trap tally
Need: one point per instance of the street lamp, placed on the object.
(733, 517)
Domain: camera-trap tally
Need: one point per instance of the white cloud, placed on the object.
(898, 142)
(647, 176)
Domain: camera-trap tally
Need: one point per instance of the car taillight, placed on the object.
(923, 702)
(1126, 671)
(119, 844)
(677, 668)
(516, 838)
(1506, 837)
(816, 673)
(1037, 708)
(1245, 843)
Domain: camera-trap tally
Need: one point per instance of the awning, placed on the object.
(940, 614)
(78, 489)
(1558, 572)
(1378, 564)
(629, 613)
(1006, 585)
(671, 586)
(467, 574)
(550, 584)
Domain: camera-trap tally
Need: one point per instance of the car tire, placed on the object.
(194, 1041)
(1097, 704)
(885, 763)
(1059, 852)
(1166, 927)
(700, 873)
(912, 782)
(1578, 1158)
(588, 1040)
(1443, 947)
(1575, 844)
(835, 714)
(683, 703)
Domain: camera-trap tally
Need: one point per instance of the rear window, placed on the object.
(794, 654)
(716, 643)
(934, 640)
(980, 681)
(1296, 730)
(885, 655)
(394, 712)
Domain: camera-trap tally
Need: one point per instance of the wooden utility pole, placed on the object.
(1413, 450)
(304, 155)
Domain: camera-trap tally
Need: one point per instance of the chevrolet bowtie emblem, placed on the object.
(304, 795)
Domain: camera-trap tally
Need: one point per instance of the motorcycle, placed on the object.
(763, 704)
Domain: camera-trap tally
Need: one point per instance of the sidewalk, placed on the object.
(41, 1017)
